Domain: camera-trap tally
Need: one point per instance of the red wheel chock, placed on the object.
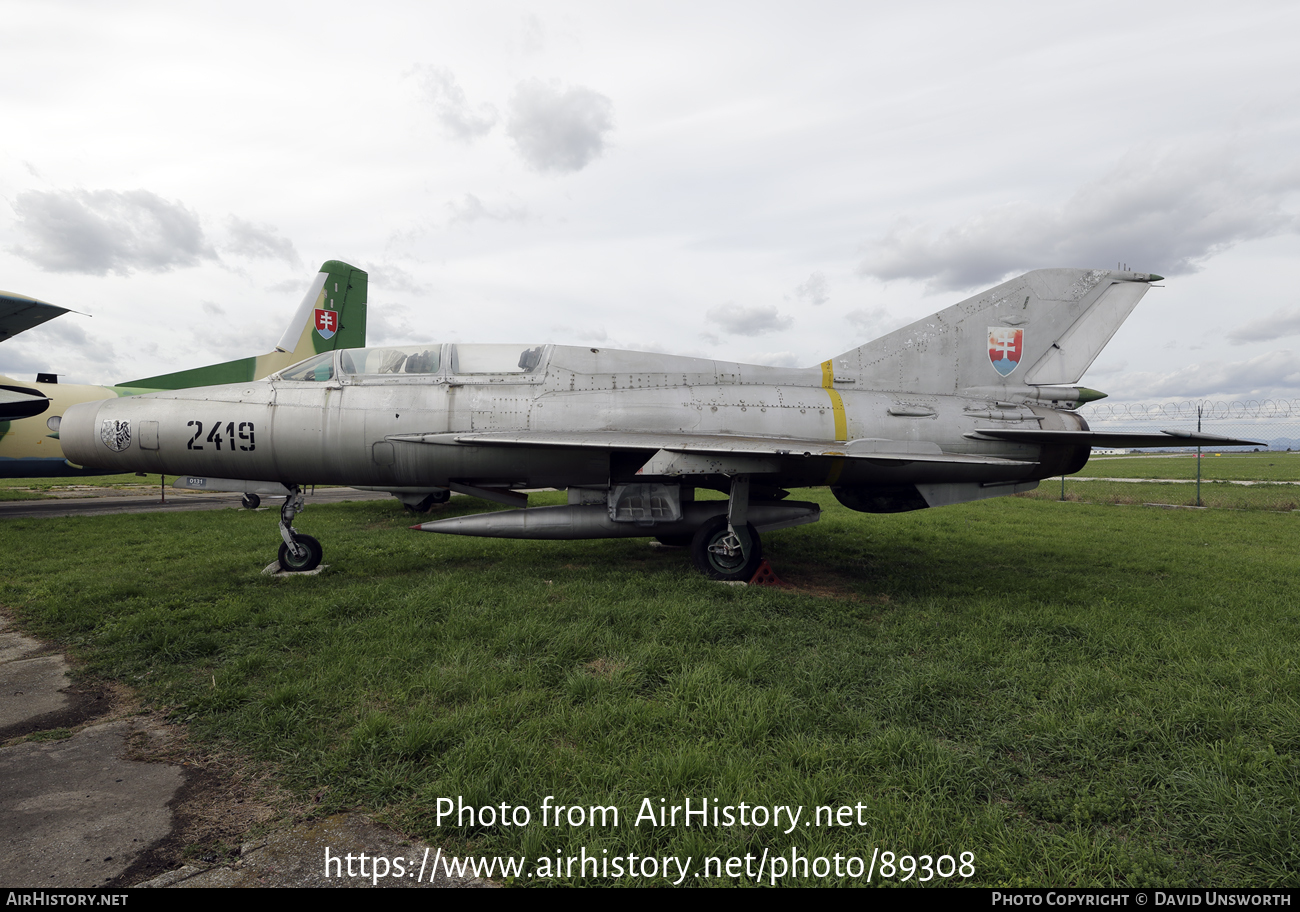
(764, 576)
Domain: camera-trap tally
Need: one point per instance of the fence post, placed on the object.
(1198, 456)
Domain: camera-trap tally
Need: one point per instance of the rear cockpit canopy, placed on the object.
(419, 359)
(495, 359)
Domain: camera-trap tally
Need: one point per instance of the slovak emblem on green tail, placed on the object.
(327, 323)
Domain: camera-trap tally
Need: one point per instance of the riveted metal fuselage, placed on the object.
(349, 429)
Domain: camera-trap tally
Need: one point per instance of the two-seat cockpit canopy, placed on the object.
(422, 362)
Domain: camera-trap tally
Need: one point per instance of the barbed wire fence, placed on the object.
(1275, 422)
(1260, 483)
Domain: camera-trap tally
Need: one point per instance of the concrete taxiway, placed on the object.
(109, 500)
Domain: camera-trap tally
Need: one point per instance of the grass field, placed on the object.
(1075, 694)
(1215, 495)
(1214, 467)
(1269, 472)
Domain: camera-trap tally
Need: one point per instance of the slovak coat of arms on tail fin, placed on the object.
(1005, 347)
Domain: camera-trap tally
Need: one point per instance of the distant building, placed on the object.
(1109, 451)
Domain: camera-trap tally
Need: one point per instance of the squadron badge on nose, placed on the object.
(116, 434)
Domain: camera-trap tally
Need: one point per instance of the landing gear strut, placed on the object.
(299, 553)
(728, 547)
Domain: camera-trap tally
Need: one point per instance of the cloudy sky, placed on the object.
(767, 182)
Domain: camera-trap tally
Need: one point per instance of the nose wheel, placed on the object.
(299, 553)
(307, 557)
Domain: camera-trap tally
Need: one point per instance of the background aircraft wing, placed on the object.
(714, 445)
(19, 313)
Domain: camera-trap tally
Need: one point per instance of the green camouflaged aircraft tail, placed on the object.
(332, 315)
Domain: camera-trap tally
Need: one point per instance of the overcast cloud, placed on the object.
(102, 231)
(748, 321)
(260, 242)
(825, 167)
(1275, 373)
(872, 323)
(68, 346)
(1156, 213)
(391, 325)
(457, 117)
(391, 277)
(773, 359)
(469, 209)
(287, 286)
(815, 291)
(557, 129)
(1277, 325)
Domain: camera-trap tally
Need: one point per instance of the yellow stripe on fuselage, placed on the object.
(841, 422)
(837, 403)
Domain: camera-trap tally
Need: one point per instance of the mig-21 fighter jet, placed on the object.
(972, 402)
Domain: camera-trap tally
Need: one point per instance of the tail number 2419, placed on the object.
(245, 435)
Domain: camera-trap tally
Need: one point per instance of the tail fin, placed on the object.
(1042, 329)
(332, 315)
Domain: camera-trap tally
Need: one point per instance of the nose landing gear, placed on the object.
(299, 553)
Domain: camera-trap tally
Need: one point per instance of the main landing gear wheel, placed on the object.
(718, 555)
(308, 559)
(252, 501)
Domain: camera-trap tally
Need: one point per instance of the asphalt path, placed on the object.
(107, 501)
(94, 795)
(1178, 480)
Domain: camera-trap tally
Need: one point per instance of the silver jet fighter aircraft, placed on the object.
(972, 402)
